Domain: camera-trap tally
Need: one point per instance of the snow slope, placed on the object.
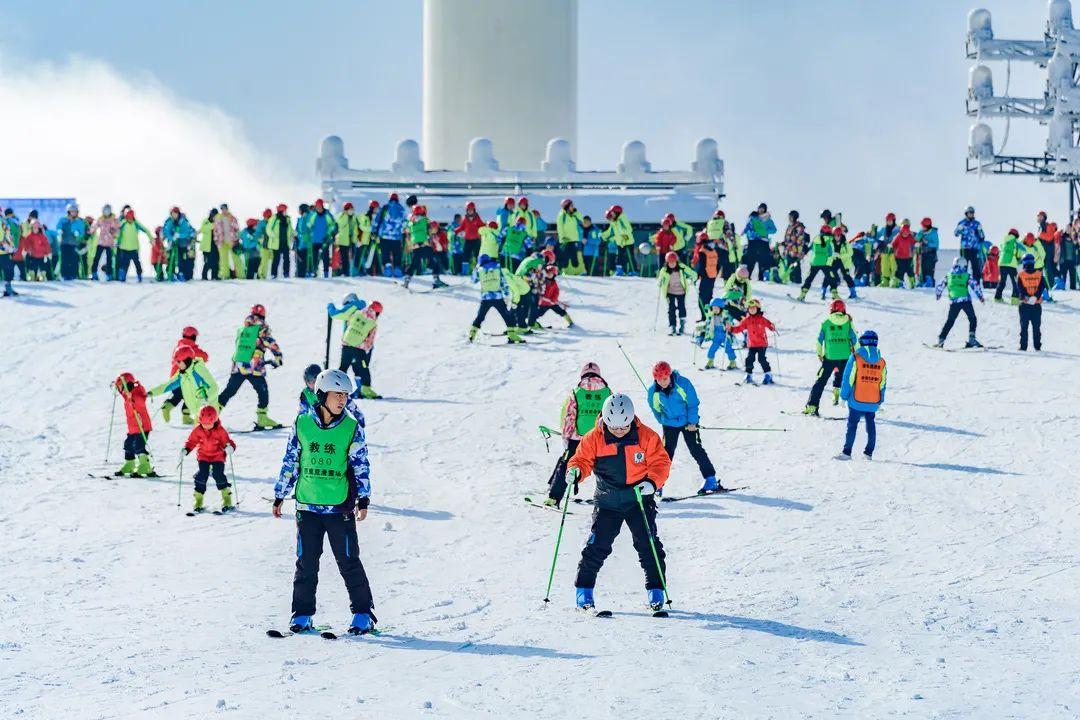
(938, 581)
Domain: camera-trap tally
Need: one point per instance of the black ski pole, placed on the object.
(329, 329)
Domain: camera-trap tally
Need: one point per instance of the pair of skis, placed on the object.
(324, 631)
(608, 614)
(670, 499)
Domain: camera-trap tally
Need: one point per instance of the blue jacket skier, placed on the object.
(674, 403)
(863, 388)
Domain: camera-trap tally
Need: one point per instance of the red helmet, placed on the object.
(123, 380)
(470, 206)
(267, 213)
(523, 202)
(610, 215)
(891, 217)
(1041, 213)
(661, 370)
(838, 231)
(282, 207)
(551, 269)
(319, 203)
(670, 216)
(174, 210)
(590, 368)
(615, 209)
(393, 197)
(838, 306)
(702, 236)
(376, 307)
(548, 254)
(347, 206)
(183, 354)
(719, 213)
(926, 222)
(258, 310)
(671, 257)
(208, 415)
(566, 203)
(665, 223)
(252, 222)
(129, 215)
(493, 225)
(373, 205)
(1014, 232)
(190, 332)
(420, 210)
(508, 202)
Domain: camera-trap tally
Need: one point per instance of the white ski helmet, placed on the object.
(334, 381)
(618, 411)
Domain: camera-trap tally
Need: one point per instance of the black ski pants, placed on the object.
(693, 444)
(829, 369)
(757, 353)
(1031, 317)
(828, 281)
(236, 380)
(954, 311)
(281, 258)
(391, 253)
(500, 306)
(210, 263)
(758, 253)
(557, 481)
(705, 293)
(124, 258)
(340, 529)
(134, 445)
(676, 304)
(208, 469)
(606, 524)
(358, 360)
(1007, 273)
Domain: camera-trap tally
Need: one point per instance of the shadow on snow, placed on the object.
(930, 428)
(404, 642)
(770, 627)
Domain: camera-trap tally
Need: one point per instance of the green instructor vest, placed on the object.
(958, 285)
(246, 341)
(589, 405)
(837, 340)
(324, 461)
(357, 328)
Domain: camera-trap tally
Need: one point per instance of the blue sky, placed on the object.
(851, 105)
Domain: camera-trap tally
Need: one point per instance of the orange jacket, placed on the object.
(618, 464)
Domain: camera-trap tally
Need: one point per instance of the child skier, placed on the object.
(706, 263)
(960, 285)
(629, 464)
(157, 254)
(256, 350)
(756, 324)
(992, 269)
(675, 279)
(358, 339)
(903, 247)
(820, 261)
(927, 239)
(494, 288)
(192, 378)
(1032, 289)
(674, 403)
(864, 390)
(188, 337)
(549, 296)
(326, 461)
(1008, 255)
(719, 319)
(842, 264)
(835, 342)
(580, 411)
(214, 444)
(136, 454)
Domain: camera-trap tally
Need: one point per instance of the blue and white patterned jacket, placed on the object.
(359, 468)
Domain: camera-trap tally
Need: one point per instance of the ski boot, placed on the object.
(682, 325)
(940, 343)
(398, 274)
(836, 396)
(656, 599)
(264, 421)
(406, 280)
(388, 270)
(551, 502)
(823, 291)
(619, 272)
(185, 416)
(227, 500)
(835, 294)
(368, 393)
(709, 364)
(144, 468)
(301, 623)
(671, 331)
(437, 283)
(569, 322)
(768, 379)
(126, 469)
(513, 336)
(732, 365)
(1059, 284)
(166, 410)
(472, 332)
(709, 486)
(852, 295)
(10, 292)
(999, 300)
(867, 456)
(749, 379)
(802, 295)
(362, 624)
(810, 410)
(584, 599)
(198, 507)
(972, 342)
(844, 455)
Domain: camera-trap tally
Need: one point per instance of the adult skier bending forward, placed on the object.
(627, 458)
(326, 460)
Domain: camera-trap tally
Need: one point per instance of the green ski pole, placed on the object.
(558, 541)
(232, 476)
(112, 416)
(652, 545)
(631, 362)
(742, 429)
(180, 481)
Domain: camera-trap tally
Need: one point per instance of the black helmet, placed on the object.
(311, 372)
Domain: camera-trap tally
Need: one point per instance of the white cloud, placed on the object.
(83, 129)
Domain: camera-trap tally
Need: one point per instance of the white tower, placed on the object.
(505, 70)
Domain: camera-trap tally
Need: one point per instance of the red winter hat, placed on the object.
(129, 215)
(1014, 232)
(174, 210)
(523, 202)
(493, 225)
(208, 415)
(267, 214)
(252, 222)
(926, 222)
(319, 203)
(661, 370)
(347, 206)
(891, 217)
(282, 207)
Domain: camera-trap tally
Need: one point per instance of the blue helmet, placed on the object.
(868, 338)
(717, 302)
(1028, 259)
(487, 260)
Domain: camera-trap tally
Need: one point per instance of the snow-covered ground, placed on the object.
(938, 581)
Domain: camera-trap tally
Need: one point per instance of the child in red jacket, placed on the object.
(136, 457)
(213, 442)
(755, 324)
(664, 239)
(992, 268)
(157, 255)
(549, 297)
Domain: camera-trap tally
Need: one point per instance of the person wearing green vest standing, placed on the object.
(358, 341)
(621, 232)
(256, 350)
(494, 289)
(835, 342)
(684, 232)
(128, 244)
(568, 226)
(490, 239)
(279, 236)
(579, 413)
(347, 239)
(1007, 262)
(821, 254)
(208, 247)
(326, 464)
(960, 284)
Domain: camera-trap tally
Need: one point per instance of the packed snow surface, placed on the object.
(939, 580)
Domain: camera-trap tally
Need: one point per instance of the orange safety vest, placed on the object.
(1030, 281)
(867, 385)
(712, 262)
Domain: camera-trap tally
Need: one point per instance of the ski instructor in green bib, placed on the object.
(256, 352)
(579, 413)
(326, 463)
